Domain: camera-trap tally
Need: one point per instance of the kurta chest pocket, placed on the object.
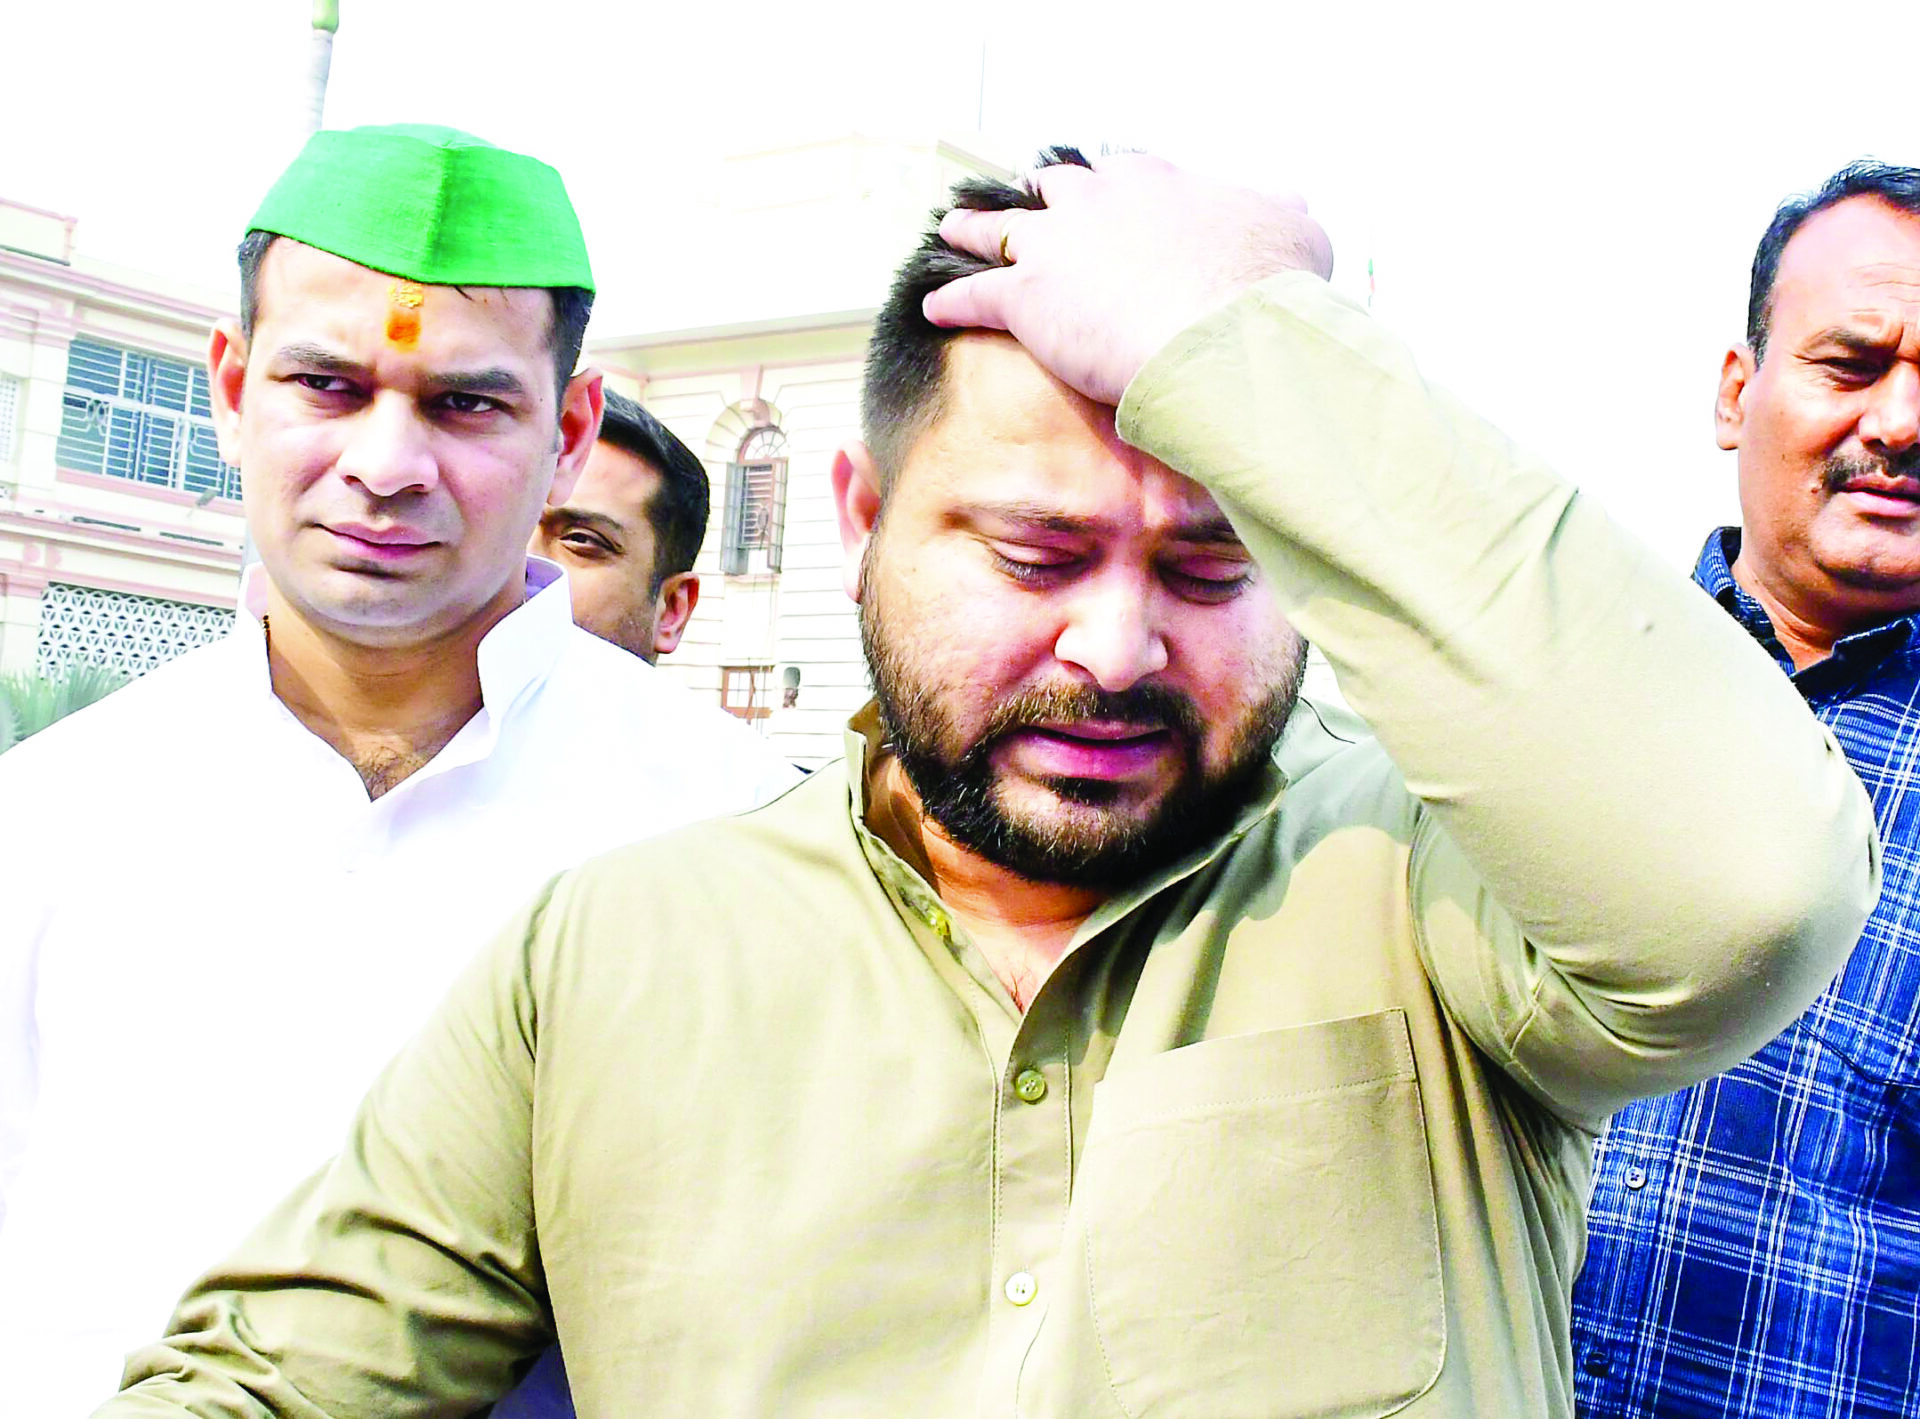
(1259, 1226)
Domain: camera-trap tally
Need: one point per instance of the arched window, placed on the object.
(756, 506)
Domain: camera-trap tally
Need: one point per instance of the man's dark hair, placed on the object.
(678, 511)
(904, 392)
(1896, 186)
(565, 331)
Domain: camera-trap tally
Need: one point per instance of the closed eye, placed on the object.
(1208, 580)
(1033, 566)
(1853, 371)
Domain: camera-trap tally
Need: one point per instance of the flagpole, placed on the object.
(326, 23)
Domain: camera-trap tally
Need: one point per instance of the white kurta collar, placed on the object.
(518, 653)
(515, 657)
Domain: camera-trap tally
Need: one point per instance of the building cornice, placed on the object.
(104, 291)
(100, 530)
(857, 319)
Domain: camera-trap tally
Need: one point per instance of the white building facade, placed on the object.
(766, 401)
(120, 528)
(774, 637)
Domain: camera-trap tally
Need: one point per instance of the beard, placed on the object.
(1090, 839)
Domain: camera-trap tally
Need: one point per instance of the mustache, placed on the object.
(1842, 468)
(1152, 706)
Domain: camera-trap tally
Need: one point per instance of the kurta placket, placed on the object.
(1042, 1065)
(1024, 1078)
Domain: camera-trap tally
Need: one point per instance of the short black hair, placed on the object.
(678, 511)
(566, 331)
(904, 391)
(1896, 186)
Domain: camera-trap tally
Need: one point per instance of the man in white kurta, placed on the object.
(230, 891)
(208, 932)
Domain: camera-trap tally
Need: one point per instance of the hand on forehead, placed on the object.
(1124, 255)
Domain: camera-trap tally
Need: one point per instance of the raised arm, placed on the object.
(404, 1279)
(1641, 856)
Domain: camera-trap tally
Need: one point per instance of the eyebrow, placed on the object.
(320, 360)
(316, 357)
(1212, 529)
(1850, 340)
(1216, 528)
(580, 517)
(494, 381)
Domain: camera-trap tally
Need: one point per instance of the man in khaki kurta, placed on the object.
(1145, 1072)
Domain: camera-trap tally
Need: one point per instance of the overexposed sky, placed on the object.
(1560, 201)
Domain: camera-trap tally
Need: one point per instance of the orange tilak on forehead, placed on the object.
(403, 313)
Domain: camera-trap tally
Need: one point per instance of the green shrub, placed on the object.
(29, 702)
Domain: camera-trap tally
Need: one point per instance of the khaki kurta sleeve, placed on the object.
(405, 1278)
(1639, 857)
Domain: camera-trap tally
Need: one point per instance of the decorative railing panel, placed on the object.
(82, 625)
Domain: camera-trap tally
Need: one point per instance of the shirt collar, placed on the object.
(1714, 573)
(519, 653)
(866, 745)
(515, 656)
(1853, 654)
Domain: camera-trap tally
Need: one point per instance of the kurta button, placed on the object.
(1596, 1362)
(1030, 1085)
(1021, 1287)
(937, 919)
(1636, 1178)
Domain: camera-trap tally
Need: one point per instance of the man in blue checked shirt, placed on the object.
(1754, 1244)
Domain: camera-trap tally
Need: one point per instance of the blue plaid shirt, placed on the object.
(1754, 1244)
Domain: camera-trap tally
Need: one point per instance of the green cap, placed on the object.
(432, 205)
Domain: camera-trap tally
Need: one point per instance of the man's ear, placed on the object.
(673, 608)
(1730, 403)
(227, 374)
(580, 410)
(856, 502)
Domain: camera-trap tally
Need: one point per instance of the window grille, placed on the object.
(146, 418)
(81, 625)
(9, 415)
(756, 507)
(746, 690)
